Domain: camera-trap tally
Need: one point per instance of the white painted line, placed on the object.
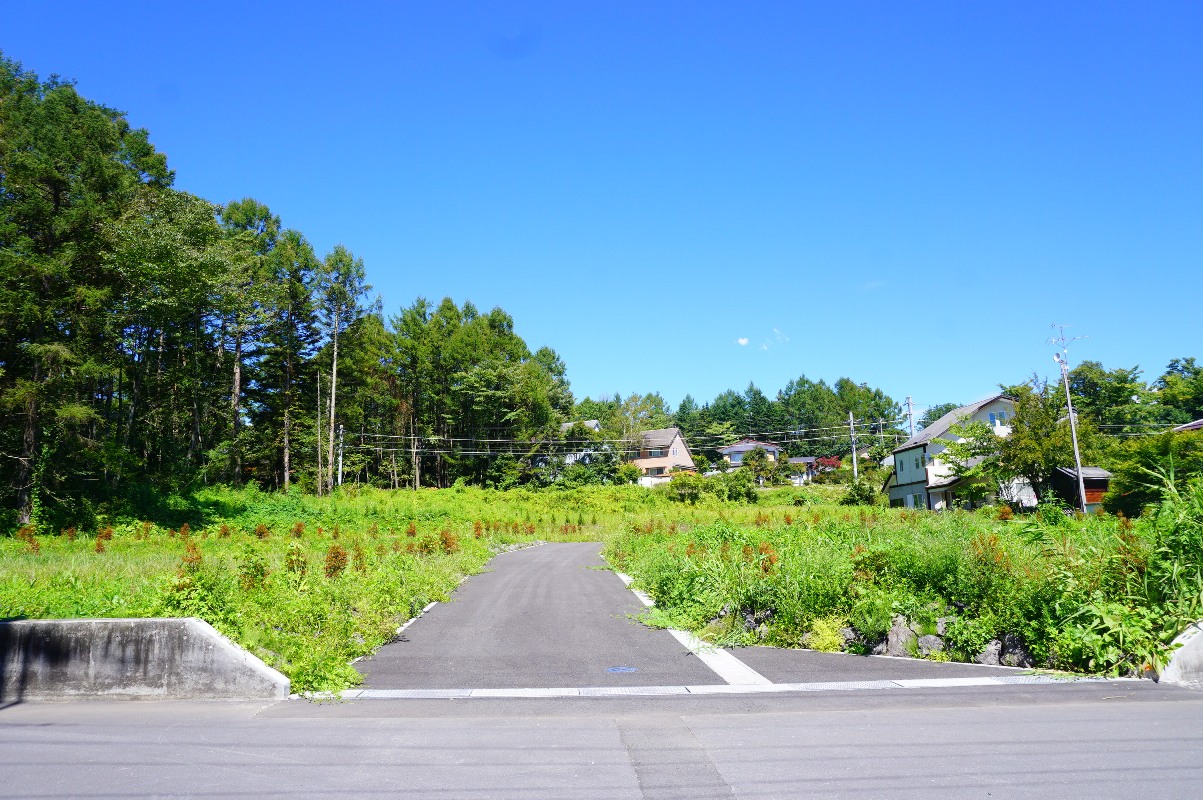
(708, 689)
(725, 665)
(632, 691)
(841, 686)
(643, 598)
(414, 619)
(411, 694)
(738, 688)
(931, 683)
(526, 693)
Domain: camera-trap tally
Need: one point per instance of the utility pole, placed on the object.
(852, 434)
(910, 415)
(340, 454)
(1063, 361)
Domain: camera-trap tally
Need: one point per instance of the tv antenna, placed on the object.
(1063, 362)
(1060, 340)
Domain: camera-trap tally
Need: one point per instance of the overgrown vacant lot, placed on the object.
(1099, 594)
(310, 583)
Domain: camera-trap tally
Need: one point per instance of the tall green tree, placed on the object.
(1040, 439)
(246, 300)
(341, 290)
(68, 166)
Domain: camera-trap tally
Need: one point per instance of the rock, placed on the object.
(1013, 653)
(930, 644)
(990, 655)
(900, 638)
(879, 649)
(849, 636)
(942, 625)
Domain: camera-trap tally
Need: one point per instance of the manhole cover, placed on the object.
(622, 669)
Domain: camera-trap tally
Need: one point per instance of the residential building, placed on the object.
(586, 450)
(804, 469)
(734, 454)
(661, 451)
(921, 480)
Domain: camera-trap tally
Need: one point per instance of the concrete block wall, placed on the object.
(1186, 664)
(130, 658)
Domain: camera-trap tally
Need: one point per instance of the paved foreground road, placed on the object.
(1083, 740)
(543, 616)
(552, 616)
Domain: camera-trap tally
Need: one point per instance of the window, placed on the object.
(657, 453)
(674, 451)
(737, 458)
(656, 471)
(918, 500)
(998, 418)
(916, 462)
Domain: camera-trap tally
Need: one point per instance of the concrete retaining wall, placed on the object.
(1186, 664)
(128, 658)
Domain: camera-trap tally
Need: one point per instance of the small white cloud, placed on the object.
(781, 337)
(764, 346)
(742, 341)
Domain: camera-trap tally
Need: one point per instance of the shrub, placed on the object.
(336, 561)
(825, 635)
(253, 570)
(860, 493)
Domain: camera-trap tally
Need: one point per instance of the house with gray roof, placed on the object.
(660, 451)
(734, 454)
(921, 480)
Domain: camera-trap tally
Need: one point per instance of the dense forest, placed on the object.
(152, 341)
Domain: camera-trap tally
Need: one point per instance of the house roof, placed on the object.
(802, 460)
(744, 445)
(941, 426)
(660, 437)
(1197, 425)
(1087, 472)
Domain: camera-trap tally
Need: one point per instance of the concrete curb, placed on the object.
(1186, 664)
(175, 658)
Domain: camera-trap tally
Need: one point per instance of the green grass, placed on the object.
(1096, 594)
(310, 583)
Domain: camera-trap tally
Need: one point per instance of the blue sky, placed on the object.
(685, 197)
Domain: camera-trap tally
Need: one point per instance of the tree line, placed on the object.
(151, 340)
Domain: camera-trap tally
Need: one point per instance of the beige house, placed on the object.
(661, 451)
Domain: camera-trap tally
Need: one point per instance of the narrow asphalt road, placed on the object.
(552, 617)
(547, 616)
(1092, 741)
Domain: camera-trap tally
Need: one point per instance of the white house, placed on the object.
(921, 480)
(734, 454)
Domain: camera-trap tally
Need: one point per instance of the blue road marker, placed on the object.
(622, 669)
